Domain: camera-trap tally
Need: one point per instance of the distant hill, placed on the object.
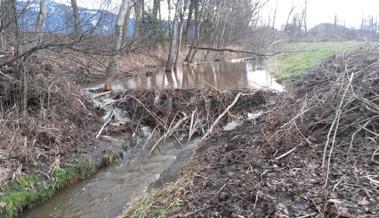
(328, 31)
(60, 18)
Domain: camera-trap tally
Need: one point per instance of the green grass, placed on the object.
(290, 66)
(34, 188)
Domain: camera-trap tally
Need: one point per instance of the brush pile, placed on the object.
(333, 112)
(191, 112)
(313, 154)
(42, 119)
(336, 105)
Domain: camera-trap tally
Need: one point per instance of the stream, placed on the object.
(110, 191)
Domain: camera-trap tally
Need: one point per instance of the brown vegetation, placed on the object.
(46, 124)
(58, 120)
(315, 154)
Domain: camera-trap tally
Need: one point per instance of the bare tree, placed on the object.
(196, 41)
(335, 21)
(174, 36)
(40, 25)
(363, 21)
(189, 18)
(218, 23)
(169, 9)
(125, 28)
(181, 26)
(77, 26)
(275, 14)
(156, 8)
(138, 11)
(123, 12)
(13, 25)
(305, 17)
(291, 11)
(1, 24)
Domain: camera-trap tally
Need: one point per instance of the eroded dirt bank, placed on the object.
(314, 154)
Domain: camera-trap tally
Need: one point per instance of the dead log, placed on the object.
(250, 52)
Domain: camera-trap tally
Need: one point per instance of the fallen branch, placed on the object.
(151, 113)
(169, 133)
(5, 75)
(105, 124)
(221, 116)
(232, 50)
(193, 125)
(250, 52)
(335, 126)
(37, 48)
(373, 181)
(376, 153)
(98, 95)
(286, 154)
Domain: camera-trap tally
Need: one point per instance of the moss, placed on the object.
(28, 190)
(290, 66)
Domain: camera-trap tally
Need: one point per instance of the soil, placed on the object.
(273, 167)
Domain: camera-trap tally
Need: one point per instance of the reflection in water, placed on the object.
(221, 76)
(259, 79)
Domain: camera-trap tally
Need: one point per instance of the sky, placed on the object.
(323, 11)
(319, 11)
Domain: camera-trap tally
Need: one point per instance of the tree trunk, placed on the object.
(117, 44)
(169, 9)
(156, 8)
(77, 26)
(275, 14)
(143, 9)
(40, 25)
(126, 26)
(138, 8)
(1, 25)
(174, 37)
(189, 19)
(179, 43)
(14, 26)
(192, 51)
(289, 16)
(306, 17)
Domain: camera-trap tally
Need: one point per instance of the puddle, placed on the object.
(222, 75)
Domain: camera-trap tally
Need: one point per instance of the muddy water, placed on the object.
(110, 191)
(222, 75)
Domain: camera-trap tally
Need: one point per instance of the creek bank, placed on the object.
(36, 187)
(274, 167)
(59, 120)
(147, 110)
(143, 117)
(51, 145)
